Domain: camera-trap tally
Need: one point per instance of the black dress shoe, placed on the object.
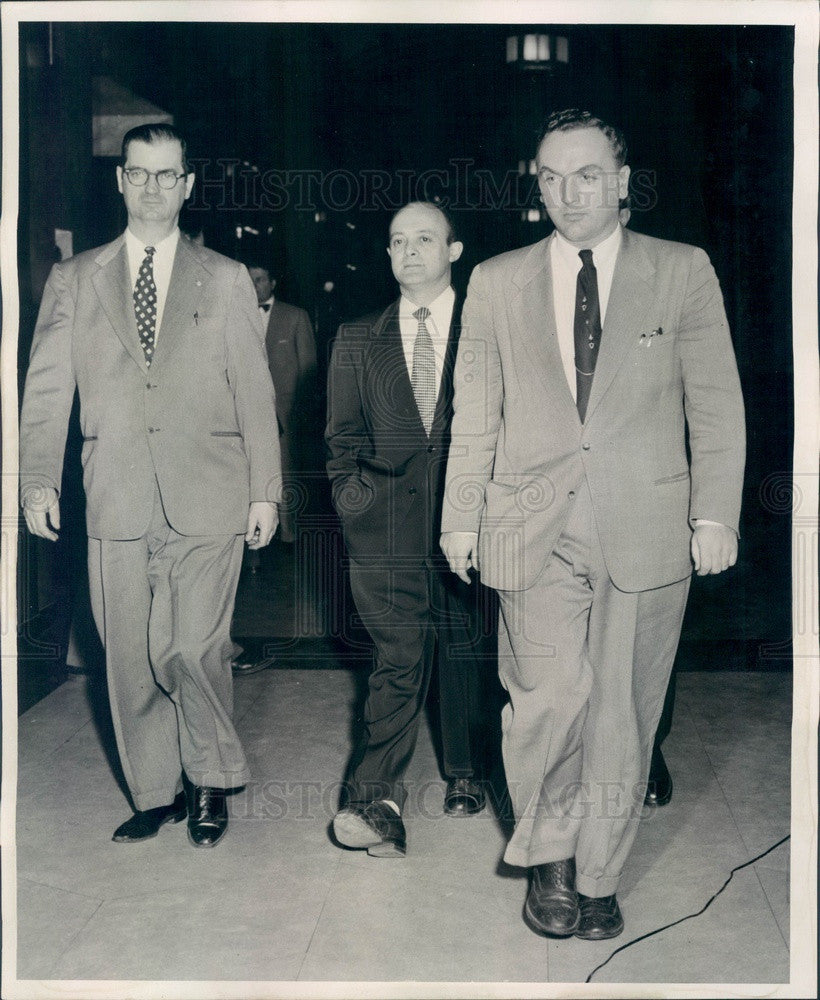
(244, 665)
(375, 827)
(464, 797)
(600, 918)
(207, 816)
(143, 825)
(552, 902)
(659, 786)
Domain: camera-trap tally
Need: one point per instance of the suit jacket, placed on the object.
(291, 356)
(519, 452)
(387, 475)
(200, 420)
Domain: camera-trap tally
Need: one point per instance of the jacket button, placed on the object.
(571, 494)
(585, 445)
(430, 448)
(412, 491)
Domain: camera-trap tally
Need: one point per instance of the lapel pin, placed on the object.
(646, 340)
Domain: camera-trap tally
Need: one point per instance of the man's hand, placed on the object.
(263, 517)
(461, 549)
(714, 548)
(43, 514)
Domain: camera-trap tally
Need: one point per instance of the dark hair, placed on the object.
(573, 118)
(155, 132)
(452, 235)
(260, 263)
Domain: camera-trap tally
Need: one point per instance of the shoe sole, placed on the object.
(352, 831)
(459, 809)
(255, 668)
(549, 931)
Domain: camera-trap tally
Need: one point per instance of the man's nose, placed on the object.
(152, 184)
(569, 189)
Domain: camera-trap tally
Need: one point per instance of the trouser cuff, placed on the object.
(605, 886)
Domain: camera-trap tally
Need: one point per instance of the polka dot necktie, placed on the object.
(587, 330)
(423, 378)
(145, 304)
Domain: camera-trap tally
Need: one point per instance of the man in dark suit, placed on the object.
(389, 409)
(588, 355)
(163, 341)
(291, 351)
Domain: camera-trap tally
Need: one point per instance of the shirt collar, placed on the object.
(603, 252)
(168, 245)
(440, 304)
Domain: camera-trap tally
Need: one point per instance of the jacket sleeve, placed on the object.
(477, 405)
(712, 398)
(253, 390)
(305, 346)
(48, 393)
(346, 434)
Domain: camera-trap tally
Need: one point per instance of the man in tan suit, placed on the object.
(162, 340)
(582, 362)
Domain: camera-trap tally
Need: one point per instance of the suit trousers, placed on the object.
(586, 667)
(394, 605)
(469, 693)
(163, 605)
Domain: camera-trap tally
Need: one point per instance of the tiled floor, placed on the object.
(277, 901)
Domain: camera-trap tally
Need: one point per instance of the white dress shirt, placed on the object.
(164, 253)
(566, 264)
(438, 323)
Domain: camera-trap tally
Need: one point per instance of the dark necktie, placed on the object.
(423, 378)
(145, 304)
(587, 330)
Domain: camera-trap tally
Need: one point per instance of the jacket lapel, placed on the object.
(630, 300)
(533, 313)
(112, 284)
(184, 294)
(390, 366)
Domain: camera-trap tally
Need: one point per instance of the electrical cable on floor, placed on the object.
(689, 916)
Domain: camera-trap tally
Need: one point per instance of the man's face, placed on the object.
(151, 204)
(262, 283)
(581, 184)
(419, 252)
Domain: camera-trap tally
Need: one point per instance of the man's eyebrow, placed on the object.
(586, 166)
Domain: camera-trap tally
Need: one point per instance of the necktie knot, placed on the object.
(421, 313)
(264, 306)
(150, 251)
(586, 258)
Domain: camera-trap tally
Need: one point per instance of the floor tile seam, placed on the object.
(331, 881)
(55, 965)
(48, 754)
(58, 888)
(771, 907)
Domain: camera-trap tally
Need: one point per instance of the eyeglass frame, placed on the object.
(155, 174)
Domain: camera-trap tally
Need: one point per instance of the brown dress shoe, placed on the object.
(552, 902)
(146, 824)
(600, 918)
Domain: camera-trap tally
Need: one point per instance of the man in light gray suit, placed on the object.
(163, 341)
(582, 361)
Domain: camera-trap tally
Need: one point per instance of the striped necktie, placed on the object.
(423, 378)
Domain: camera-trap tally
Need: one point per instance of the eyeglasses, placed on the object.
(138, 176)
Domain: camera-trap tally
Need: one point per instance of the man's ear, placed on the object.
(456, 250)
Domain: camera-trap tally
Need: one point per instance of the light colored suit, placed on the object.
(543, 489)
(172, 456)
